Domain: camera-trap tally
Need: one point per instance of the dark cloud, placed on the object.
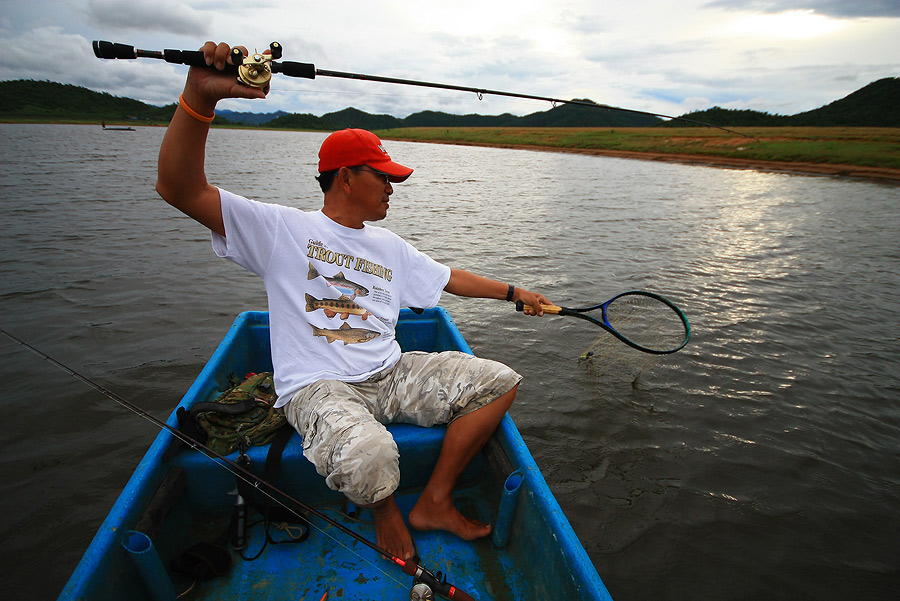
(165, 16)
(831, 8)
(154, 82)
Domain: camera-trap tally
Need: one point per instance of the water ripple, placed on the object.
(772, 435)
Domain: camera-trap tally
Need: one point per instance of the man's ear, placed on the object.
(343, 177)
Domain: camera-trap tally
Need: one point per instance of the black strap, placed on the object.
(229, 408)
(273, 514)
(270, 471)
(188, 424)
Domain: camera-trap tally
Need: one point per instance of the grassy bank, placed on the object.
(854, 151)
(860, 146)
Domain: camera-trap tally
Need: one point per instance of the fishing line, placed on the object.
(409, 567)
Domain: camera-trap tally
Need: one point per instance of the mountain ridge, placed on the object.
(875, 105)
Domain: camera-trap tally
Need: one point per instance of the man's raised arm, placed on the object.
(181, 180)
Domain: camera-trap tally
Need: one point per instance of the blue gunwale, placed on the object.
(543, 560)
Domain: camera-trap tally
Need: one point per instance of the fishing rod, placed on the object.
(435, 581)
(256, 71)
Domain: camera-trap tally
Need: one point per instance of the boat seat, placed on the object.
(419, 449)
(407, 437)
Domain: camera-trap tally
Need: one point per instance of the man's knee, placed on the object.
(364, 463)
(507, 399)
(355, 453)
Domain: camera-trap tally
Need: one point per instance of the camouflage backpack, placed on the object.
(246, 411)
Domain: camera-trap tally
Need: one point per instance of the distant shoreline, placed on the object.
(492, 138)
(792, 167)
(854, 152)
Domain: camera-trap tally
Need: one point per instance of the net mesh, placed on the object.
(614, 363)
(646, 321)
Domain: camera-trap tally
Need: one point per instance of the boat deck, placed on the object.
(179, 497)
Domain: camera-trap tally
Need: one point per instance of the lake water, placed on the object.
(761, 462)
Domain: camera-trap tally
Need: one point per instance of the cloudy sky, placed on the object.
(662, 56)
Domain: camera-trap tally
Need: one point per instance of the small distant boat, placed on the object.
(534, 555)
(115, 128)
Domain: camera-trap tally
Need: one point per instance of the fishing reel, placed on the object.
(421, 592)
(427, 586)
(255, 70)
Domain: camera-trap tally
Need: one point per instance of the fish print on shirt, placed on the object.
(349, 291)
(345, 334)
(342, 306)
(346, 287)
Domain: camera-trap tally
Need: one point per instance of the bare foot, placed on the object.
(390, 529)
(429, 514)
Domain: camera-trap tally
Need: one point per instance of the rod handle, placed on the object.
(458, 595)
(112, 50)
(548, 309)
(295, 69)
(192, 58)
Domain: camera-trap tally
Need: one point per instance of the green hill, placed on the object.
(247, 118)
(351, 117)
(730, 118)
(305, 121)
(579, 115)
(438, 119)
(875, 105)
(25, 98)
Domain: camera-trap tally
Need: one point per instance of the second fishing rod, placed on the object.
(436, 582)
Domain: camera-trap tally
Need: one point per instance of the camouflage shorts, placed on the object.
(342, 424)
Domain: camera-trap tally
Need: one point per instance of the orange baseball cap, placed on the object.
(353, 147)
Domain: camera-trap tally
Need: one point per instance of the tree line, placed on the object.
(875, 105)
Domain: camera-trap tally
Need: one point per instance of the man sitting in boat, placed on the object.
(335, 287)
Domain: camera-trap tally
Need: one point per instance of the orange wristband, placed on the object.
(192, 112)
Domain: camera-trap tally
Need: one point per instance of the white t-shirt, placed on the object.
(334, 292)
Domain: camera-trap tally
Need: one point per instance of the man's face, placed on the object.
(371, 192)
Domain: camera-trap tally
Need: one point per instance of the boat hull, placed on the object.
(180, 497)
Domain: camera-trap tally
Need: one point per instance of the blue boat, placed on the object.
(177, 497)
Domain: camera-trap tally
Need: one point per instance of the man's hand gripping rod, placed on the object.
(254, 70)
